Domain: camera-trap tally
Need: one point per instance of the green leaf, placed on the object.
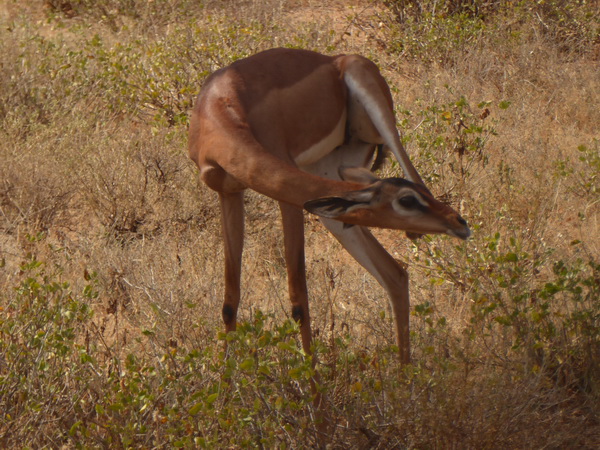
(247, 364)
(75, 427)
(195, 409)
(212, 398)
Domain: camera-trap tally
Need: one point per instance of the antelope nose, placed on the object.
(462, 231)
(465, 233)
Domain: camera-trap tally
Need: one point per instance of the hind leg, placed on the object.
(370, 254)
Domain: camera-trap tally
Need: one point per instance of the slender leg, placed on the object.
(363, 246)
(232, 217)
(369, 253)
(293, 237)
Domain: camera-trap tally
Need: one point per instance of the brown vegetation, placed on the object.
(110, 255)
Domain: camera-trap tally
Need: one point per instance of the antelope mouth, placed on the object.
(463, 234)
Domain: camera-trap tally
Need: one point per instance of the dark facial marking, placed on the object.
(399, 182)
(341, 204)
(409, 202)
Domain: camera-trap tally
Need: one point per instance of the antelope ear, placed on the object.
(357, 175)
(334, 207)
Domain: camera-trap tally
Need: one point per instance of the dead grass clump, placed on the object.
(141, 193)
(35, 190)
(120, 14)
(26, 201)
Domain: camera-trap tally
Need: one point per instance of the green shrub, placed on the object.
(451, 138)
(47, 361)
(537, 322)
(431, 31)
(52, 371)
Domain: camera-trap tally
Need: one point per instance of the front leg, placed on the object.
(370, 254)
(293, 238)
(232, 223)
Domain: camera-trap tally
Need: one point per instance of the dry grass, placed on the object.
(95, 184)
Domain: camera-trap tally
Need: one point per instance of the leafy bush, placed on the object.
(47, 359)
(53, 369)
(451, 137)
(429, 30)
(543, 324)
(118, 14)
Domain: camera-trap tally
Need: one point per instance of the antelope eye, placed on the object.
(408, 201)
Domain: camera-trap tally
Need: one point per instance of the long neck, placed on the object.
(278, 179)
